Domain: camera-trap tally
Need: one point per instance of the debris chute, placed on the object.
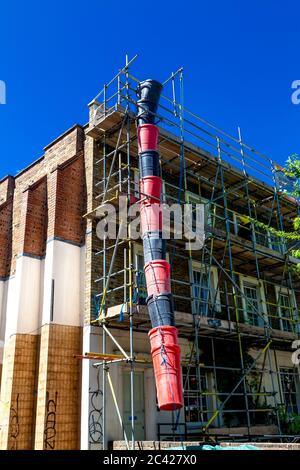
(163, 336)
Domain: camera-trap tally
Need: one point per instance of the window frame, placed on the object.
(208, 402)
(292, 298)
(295, 374)
(261, 300)
(191, 197)
(281, 248)
(214, 290)
(235, 216)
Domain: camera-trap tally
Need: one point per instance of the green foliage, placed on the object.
(293, 166)
(290, 422)
(297, 223)
(294, 424)
(294, 236)
(295, 253)
(293, 170)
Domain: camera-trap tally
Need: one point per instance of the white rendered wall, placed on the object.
(151, 413)
(91, 398)
(85, 385)
(92, 341)
(24, 297)
(64, 263)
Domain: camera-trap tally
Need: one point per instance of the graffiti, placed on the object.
(50, 424)
(14, 423)
(95, 415)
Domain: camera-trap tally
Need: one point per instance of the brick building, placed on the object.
(236, 299)
(42, 245)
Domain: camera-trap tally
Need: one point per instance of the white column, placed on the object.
(150, 408)
(91, 393)
(85, 389)
(63, 290)
(24, 297)
(113, 426)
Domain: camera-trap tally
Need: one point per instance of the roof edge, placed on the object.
(61, 136)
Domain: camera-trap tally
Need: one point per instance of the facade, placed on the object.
(42, 263)
(71, 302)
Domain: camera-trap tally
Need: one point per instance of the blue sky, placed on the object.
(239, 60)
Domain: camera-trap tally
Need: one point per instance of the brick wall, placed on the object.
(18, 392)
(58, 403)
(49, 200)
(35, 230)
(7, 186)
(65, 148)
(70, 205)
(92, 175)
(6, 210)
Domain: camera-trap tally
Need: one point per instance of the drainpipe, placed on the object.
(163, 336)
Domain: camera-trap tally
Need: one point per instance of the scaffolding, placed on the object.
(224, 318)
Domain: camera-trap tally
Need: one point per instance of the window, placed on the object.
(276, 243)
(287, 310)
(290, 385)
(265, 238)
(261, 236)
(205, 295)
(196, 403)
(254, 302)
(245, 228)
(200, 291)
(195, 199)
(252, 305)
(234, 223)
(52, 300)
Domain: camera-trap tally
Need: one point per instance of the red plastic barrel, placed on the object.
(151, 217)
(167, 370)
(150, 187)
(157, 273)
(133, 200)
(147, 137)
(166, 335)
